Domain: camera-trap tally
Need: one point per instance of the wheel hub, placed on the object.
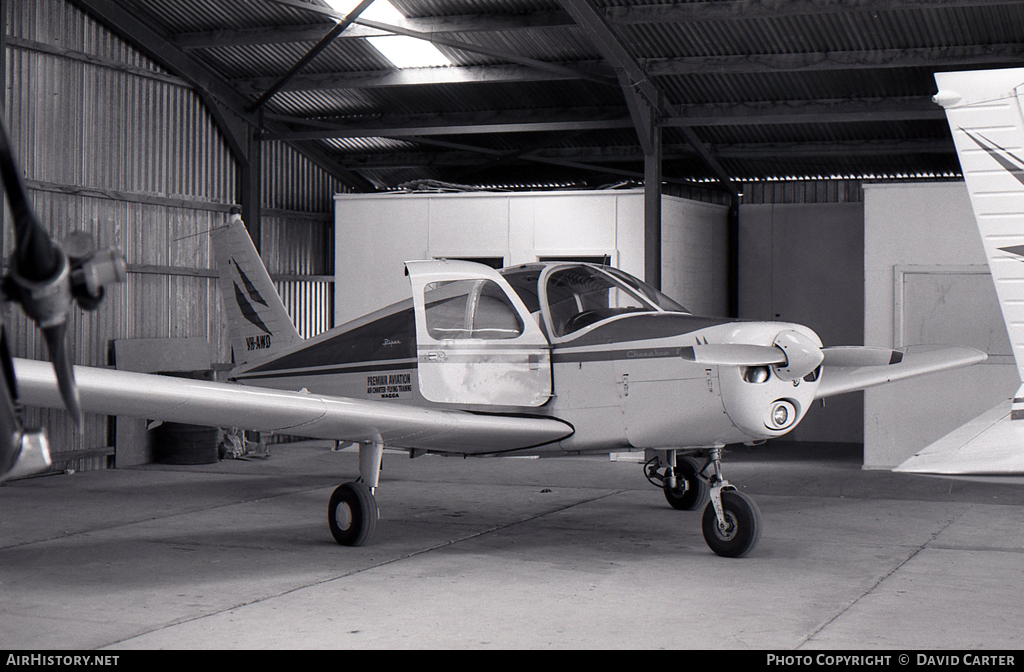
(343, 515)
(726, 529)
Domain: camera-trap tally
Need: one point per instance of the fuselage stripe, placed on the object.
(609, 355)
(398, 365)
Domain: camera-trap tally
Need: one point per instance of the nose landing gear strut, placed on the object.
(732, 521)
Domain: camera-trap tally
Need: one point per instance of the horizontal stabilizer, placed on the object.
(990, 445)
(212, 404)
(915, 361)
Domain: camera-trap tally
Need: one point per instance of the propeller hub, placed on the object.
(803, 355)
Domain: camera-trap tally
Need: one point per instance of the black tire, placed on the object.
(697, 490)
(743, 525)
(352, 514)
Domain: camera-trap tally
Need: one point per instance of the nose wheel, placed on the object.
(731, 522)
(736, 530)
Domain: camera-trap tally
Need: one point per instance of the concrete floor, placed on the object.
(507, 553)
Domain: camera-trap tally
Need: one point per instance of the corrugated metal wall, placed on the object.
(298, 235)
(111, 144)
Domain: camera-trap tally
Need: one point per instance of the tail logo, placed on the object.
(1010, 163)
(249, 287)
(248, 312)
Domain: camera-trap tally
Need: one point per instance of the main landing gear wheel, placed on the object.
(352, 514)
(691, 491)
(740, 529)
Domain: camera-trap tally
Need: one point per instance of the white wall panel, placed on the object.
(375, 234)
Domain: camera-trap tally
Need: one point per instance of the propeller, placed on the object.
(39, 277)
(45, 280)
(792, 356)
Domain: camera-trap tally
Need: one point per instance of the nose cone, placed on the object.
(803, 355)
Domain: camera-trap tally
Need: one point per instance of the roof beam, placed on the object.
(310, 55)
(373, 130)
(314, 31)
(931, 57)
(731, 114)
(156, 45)
(462, 156)
(771, 9)
(606, 170)
(916, 108)
(436, 39)
(657, 13)
(645, 100)
(503, 73)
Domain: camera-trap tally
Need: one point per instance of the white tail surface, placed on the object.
(258, 323)
(985, 117)
(983, 108)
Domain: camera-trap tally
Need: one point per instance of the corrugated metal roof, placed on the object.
(854, 76)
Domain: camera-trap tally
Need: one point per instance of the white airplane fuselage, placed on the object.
(618, 391)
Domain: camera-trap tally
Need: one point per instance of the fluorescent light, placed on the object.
(401, 50)
(409, 52)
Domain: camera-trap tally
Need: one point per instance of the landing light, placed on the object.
(782, 415)
(755, 374)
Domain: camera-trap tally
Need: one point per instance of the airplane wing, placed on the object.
(885, 366)
(990, 445)
(214, 404)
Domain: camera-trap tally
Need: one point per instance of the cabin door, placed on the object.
(476, 342)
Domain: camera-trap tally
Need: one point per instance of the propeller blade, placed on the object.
(734, 354)
(56, 342)
(857, 355)
(34, 252)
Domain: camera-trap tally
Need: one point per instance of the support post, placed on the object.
(652, 210)
(251, 187)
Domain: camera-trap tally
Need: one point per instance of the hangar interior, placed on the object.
(754, 159)
(778, 114)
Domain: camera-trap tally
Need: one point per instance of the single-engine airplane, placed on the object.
(984, 108)
(540, 359)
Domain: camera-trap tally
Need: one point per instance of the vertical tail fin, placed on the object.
(985, 116)
(258, 322)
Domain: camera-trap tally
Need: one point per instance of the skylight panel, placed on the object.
(403, 51)
(409, 52)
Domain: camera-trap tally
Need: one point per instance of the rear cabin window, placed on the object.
(470, 309)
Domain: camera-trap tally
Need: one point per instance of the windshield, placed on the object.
(649, 292)
(578, 296)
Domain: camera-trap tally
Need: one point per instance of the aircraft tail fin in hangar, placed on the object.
(258, 322)
(985, 110)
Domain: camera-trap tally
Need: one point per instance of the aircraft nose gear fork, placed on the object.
(732, 521)
(352, 512)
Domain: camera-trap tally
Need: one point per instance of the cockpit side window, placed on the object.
(578, 296)
(469, 309)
